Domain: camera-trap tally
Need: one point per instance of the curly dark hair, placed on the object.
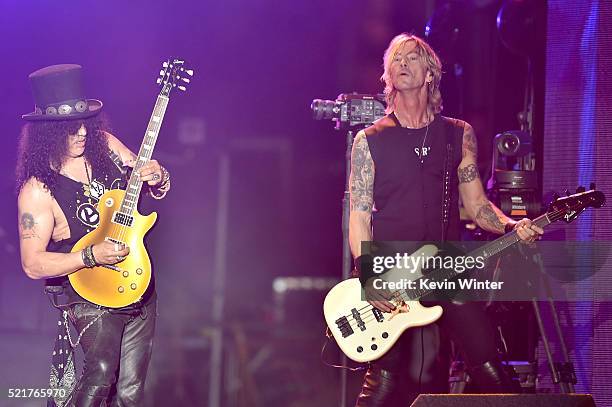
(43, 149)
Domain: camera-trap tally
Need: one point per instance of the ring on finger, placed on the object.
(120, 258)
(156, 176)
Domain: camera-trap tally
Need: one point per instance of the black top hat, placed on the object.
(58, 94)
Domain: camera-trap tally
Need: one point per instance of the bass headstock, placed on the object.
(569, 207)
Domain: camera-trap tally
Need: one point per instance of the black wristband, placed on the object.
(509, 226)
(364, 265)
(87, 257)
(93, 258)
(84, 258)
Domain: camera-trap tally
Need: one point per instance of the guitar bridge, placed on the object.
(344, 326)
(110, 239)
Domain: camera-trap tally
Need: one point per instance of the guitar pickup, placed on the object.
(123, 219)
(357, 317)
(344, 326)
(378, 314)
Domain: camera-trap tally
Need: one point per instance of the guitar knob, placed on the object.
(133, 286)
(139, 271)
(120, 289)
(125, 274)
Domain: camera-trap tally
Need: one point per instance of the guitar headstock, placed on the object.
(570, 207)
(174, 74)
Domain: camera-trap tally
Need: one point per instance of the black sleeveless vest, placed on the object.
(409, 178)
(78, 202)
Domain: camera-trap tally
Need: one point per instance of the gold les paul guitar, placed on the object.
(124, 283)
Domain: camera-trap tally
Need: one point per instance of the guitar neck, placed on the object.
(145, 153)
(487, 251)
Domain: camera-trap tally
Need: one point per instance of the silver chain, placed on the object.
(74, 345)
(422, 155)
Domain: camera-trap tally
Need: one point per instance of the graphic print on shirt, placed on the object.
(422, 151)
(87, 212)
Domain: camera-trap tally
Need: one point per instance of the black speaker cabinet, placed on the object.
(504, 400)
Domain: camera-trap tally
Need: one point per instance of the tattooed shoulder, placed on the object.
(470, 145)
(468, 174)
(27, 221)
(28, 225)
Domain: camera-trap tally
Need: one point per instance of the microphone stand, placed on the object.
(346, 249)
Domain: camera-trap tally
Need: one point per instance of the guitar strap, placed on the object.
(452, 135)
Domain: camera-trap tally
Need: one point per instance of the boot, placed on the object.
(490, 377)
(90, 396)
(378, 388)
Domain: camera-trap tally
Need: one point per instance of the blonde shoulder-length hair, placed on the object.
(434, 100)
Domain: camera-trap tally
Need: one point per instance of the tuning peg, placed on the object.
(181, 87)
(158, 81)
(165, 64)
(187, 71)
(580, 189)
(162, 72)
(186, 80)
(592, 186)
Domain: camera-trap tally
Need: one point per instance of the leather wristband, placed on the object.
(88, 258)
(90, 249)
(364, 265)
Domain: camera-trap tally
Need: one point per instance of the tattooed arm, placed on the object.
(36, 222)
(362, 194)
(478, 206)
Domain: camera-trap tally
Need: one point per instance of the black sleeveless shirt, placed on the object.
(409, 169)
(78, 202)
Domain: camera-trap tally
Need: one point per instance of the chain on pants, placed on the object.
(117, 349)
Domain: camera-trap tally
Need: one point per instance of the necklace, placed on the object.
(422, 151)
(88, 182)
(422, 155)
(87, 172)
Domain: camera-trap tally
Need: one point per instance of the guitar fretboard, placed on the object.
(487, 251)
(132, 192)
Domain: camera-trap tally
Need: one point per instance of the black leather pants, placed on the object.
(117, 348)
(418, 362)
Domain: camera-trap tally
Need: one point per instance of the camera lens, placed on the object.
(323, 109)
(509, 144)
